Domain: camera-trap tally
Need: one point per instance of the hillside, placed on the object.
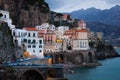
(107, 16)
(108, 30)
(26, 12)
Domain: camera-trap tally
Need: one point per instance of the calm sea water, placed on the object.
(110, 70)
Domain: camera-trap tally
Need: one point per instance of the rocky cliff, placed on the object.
(26, 13)
(9, 51)
(6, 42)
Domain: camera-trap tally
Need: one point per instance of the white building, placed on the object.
(30, 40)
(33, 43)
(62, 29)
(45, 26)
(18, 36)
(6, 18)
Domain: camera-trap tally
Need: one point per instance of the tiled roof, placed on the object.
(30, 29)
(69, 32)
(82, 30)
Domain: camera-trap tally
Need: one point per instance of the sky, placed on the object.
(72, 5)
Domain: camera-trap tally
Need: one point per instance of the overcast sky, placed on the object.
(71, 5)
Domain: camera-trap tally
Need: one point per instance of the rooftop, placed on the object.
(30, 29)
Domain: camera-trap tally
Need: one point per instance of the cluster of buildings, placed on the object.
(47, 38)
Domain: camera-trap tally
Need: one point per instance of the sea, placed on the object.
(110, 70)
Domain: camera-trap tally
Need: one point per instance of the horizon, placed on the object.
(64, 6)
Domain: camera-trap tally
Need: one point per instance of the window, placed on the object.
(14, 34)
(29, 46)
(33, 46)
(34, 41)
(33, 34)
(28, 34)
(24, 40)
(40, 46)
(34, 51)
(5, 16)
(29, 41)
(40, 51)
(80, 44)
(40, 41)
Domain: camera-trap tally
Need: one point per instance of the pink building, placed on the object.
(49, 36)
(69, 34)
(81, 24)
(81, 34)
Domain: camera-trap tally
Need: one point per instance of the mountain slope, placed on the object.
(108, 16)
(108, 30)
(26, 12)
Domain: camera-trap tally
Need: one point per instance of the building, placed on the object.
(45, 26)
(34, 44)
(69, 34)
(30, 41)
(6, 18)
(49, 36)
(62, 29)
(99, 35)
(81, 24)
(18, 36)
(55, 47)
(81, 42)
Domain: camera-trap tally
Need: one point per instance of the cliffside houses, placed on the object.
(77, 39)
(46, 38)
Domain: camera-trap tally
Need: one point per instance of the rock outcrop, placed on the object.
(26, 13)
(6, 42)
(105, 51)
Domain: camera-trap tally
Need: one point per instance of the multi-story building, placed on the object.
(81, 42)
(29, 39)
(77, 39)
(62, 29)
(18, 36)
(34, 44)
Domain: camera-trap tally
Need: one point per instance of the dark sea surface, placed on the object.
(110, 70)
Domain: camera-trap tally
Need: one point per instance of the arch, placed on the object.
(79, 58)
(31, 75)
(90, 57)
(1, 14)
